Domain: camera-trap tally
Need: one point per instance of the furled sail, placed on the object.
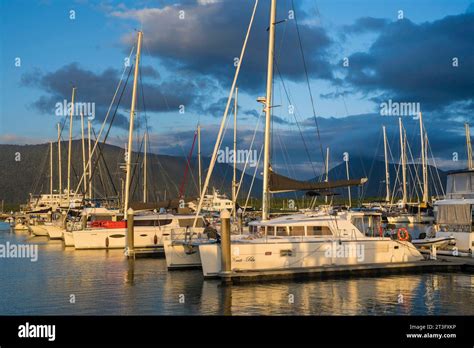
(280, 183)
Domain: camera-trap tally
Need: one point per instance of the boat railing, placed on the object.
(186, 233)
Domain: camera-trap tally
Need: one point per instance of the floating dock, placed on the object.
(158, 252)
(454, 264)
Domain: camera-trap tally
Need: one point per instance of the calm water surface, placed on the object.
(104, 282)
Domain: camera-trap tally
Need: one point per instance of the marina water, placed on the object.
(99, 282)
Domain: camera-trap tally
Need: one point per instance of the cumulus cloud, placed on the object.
(206, 37)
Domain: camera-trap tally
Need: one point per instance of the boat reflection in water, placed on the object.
(101, 282)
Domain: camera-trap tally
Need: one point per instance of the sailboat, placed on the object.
(455, 212)
(149, 226)
(408, 212)
(313, 239)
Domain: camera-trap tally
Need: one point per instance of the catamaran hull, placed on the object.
(181, 256)
(144, 237)
(20, 227)
(68, 239)
(53, 231)
(298, 255)
(38, 230)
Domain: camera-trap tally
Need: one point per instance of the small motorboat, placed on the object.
(438, 242)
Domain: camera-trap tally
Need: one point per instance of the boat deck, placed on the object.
(456, 264)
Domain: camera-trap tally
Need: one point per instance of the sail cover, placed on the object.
(280, 183)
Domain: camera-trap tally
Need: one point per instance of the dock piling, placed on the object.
(130, 248)
(225, 242)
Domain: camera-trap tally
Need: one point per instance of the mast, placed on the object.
(130, 132)
(423, 162)
(268, 115)
(144, 168)
(70, 147)
(348, 187)
(234, 180)
(387, 173)
(403, 158)
(327, 171)
(83, 155)
(51, 170)
(470, 164)
(199, 159)
(59, 165)
(89, 129)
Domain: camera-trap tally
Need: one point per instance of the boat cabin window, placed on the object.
(100, 218)
(162, 222)
(190, 222)
(296, 230)
(254, 229)
(263, 230)
(281, 231)
(318, 231)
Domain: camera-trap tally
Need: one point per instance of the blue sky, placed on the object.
(189, 62)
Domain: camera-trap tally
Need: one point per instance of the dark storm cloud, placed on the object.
(210, 36)
(414, 63)
(98, 88)
(366, 24)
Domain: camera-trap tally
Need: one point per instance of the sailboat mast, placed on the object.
(327, 171)
(145, 168)
(199, 159)
(51, 170)
(387, 173)
(70, 146)
(348, 187)
(59, 165)
(130, 132)
(83, 154)
(423, 162)
(234, 179)
(268, 106)
(468, 147)
(403, 158)
(89, 129)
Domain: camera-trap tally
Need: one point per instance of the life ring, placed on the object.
(403, 237)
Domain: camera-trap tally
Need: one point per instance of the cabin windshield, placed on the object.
(369, 225)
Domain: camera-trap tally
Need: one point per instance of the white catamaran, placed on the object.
(313, 239)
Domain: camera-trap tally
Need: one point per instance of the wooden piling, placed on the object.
(130, 249)
(225, 242)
